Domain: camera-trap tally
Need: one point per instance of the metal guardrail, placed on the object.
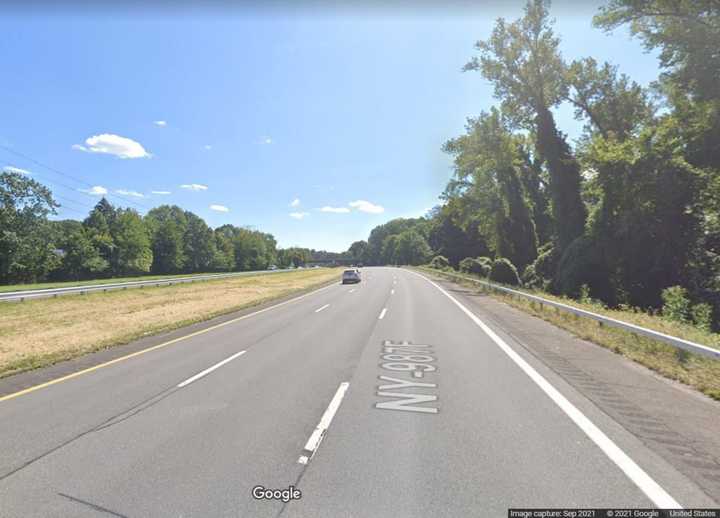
(680, 343)
(20, 296)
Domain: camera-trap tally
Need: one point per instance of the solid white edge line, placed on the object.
(635, 473)
(209, 369)
(318, 310)
(382, 314)
(317, 436)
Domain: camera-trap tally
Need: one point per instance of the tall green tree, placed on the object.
(97, 226)
(611, 103)
(642, 226)
(253, 250)
(411, 248)
(132, 252)
(376, 253)
(487, 161)
(534, 178)
(198, 244)
(522, 61)
(224, 258)
(167, 225)
(454, 234)
(80, 257)
(389, 250)
(27, 252)
(687, 35)
(358, 251)
(293, 256)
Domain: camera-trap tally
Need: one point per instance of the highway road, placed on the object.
(394, 397)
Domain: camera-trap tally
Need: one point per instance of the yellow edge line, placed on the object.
(154, 347)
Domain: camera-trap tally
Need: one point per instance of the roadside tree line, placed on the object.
(627, 211)
(113, 241)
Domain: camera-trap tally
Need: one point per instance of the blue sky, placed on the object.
(261, 108)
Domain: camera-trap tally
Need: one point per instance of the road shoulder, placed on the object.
(674, 421)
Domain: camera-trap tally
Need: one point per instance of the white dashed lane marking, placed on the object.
(209, 370)
(318, 434)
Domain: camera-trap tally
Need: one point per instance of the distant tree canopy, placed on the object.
(631, 208)
(113, 241)
(26, 251)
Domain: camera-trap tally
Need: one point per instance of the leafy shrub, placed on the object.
(585, 294)
(676, 305)
(488, 262)
(702, 316)
(539, 274)
(466, 265)
(504, 271)
(478, 266)
(440, 262)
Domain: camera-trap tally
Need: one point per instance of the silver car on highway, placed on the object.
(351, 277)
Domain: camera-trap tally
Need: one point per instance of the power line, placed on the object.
(78, 204)
(65, 207)
(56, 171)
(55, 184)
(73, 202)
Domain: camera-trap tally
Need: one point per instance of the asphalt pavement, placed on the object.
(391, 397)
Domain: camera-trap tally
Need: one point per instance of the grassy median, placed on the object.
(697, 371)
(41, 332)
(109, 280)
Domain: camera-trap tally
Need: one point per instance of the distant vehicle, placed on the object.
(351, 277)
(301, 267)
(272, 267)
(316, 266)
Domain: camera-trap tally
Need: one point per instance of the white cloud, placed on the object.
(161, 192)
(299, 215)
(295, 202)
(194, 187)
(366, 206)
(162, 124)
(96, 190)
(11, 169)
(134, 194)
(116, 145)
(219, 208)
(266, 140)
(337, 210)
(207, 147)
